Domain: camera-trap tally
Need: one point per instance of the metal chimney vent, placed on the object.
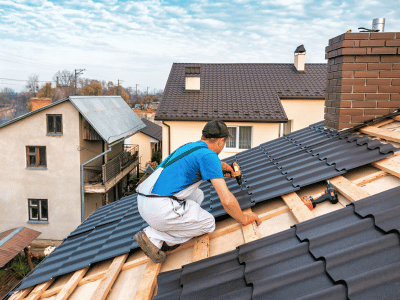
(378, 24)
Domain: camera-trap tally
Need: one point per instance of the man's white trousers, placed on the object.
(172, 222)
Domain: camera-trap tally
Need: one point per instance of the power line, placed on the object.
(26, 80)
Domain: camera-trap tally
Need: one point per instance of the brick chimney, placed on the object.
(40, 102)
(363, 77)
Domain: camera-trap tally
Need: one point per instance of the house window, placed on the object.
(54, 124)
(38, 210)
(36, 157)
(241, 138)
(285, 128)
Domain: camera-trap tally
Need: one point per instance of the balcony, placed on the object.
(102, 178)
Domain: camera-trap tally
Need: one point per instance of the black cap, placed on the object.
(215, 129)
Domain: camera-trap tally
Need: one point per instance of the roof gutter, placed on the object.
(169, 137)
(83, 185)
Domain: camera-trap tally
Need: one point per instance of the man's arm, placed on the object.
(231, 205)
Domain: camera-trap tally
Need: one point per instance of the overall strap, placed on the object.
(171, 161)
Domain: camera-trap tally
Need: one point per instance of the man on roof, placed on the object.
(169, 200)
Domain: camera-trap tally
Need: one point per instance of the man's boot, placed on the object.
(165, 247)
(149, 248)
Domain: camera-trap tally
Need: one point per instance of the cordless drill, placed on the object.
(330, 194)
(237, 173)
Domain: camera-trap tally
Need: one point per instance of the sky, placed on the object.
(138, 41)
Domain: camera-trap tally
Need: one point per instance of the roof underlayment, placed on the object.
(272, 169)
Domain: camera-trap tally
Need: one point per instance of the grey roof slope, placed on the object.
(239, 92)
(110, 116)
(306, 156)
(352, 253)
(152, 129)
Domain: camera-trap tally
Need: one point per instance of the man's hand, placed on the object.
(227, 170)
(250, 218)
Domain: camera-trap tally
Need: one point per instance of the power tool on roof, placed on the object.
(330, 194)
(237, 173)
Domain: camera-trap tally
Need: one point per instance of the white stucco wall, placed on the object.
(185, 132)
(143, 141)
(303, 112)
(59, 183)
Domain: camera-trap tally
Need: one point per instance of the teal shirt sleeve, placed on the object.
(210, 167)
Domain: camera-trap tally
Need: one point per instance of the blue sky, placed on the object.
(137, 41)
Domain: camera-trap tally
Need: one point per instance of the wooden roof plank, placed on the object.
(348, 189)
(370, 178)
(297, 207)
(39, 290)
(389, 165)
(383, 123)
(382, 133)
(71, 284)
(148, 283)
(250, 231)
(109, 278)
(135, 263)
(21, 294)
(201, 248)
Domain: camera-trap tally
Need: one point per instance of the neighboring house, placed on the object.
(45, 150)
(148, 139)
(258, 102)
(346, 250)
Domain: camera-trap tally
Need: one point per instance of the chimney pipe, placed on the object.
(378, 24)
(300, 58)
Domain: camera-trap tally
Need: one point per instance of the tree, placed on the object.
(32, 84)
(125, 96)
(94, 89)
(46, 91)
(64, 81)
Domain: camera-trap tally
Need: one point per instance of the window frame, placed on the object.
(54, 133)
(40, 217)
(37, 157)
(237, 149)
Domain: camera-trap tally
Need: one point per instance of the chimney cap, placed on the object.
(300, 49)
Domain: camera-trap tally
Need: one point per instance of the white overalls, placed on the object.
(170, 220)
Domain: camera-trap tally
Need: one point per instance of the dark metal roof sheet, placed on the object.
(272, 169)
(340, 255)
(239, 92)
(152, 129)
(14, 241)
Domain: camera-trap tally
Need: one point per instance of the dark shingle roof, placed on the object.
(352, 253)
(239, 92)
(272, 169)
(152, 129)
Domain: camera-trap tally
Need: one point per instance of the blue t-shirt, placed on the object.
(202, 164)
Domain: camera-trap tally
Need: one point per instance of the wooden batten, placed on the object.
(250, 231)
(348, 189)
(201, 248)
(39, 290)
(390, 165)
(109, 278)
(382, 133)
(71, 284)
(149, 280)
(369, 178)
(297, 207)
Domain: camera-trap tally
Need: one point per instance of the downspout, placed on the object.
(83, 185)
(169, 137)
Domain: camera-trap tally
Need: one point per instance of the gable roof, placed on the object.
(272, 169)
(350, 253)
(152, 129)
(239, 92)
(110, 116)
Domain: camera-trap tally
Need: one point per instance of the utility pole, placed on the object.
(147, 91)
(77, 72)
(136, 90)
(118, 91)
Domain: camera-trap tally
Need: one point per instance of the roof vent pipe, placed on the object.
(378, 24)
(300, 58)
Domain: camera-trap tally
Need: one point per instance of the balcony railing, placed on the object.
(113, 169)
